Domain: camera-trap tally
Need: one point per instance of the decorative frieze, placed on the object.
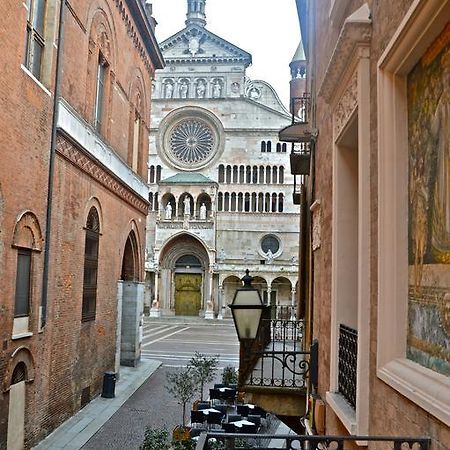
(81, 159)
(346, 106)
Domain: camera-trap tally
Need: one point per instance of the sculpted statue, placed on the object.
(169, 90)
(187, 206)
(201, 88)
(168, 213)
(183, 90)
(217, 89)
(203, 212)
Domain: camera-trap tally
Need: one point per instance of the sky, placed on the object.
(267, 29)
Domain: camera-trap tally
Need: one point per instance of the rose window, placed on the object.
(191, 141)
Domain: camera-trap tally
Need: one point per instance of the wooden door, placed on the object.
(188, 294)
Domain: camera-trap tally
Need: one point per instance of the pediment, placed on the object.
(196, 44)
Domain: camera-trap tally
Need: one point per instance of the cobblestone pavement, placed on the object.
(151, 405)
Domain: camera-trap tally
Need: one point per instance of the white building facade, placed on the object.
(220, 188)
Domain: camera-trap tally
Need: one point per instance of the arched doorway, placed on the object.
(188, 286)
(16, 416)
(131, 303)
(186, 283)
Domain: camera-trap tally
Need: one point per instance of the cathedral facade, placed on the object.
(220, 191)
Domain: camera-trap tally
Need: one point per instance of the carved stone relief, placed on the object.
(346, 105)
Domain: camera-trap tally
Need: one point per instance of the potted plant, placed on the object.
(229, 375)
(203, 369)
(155, 439)
(182, 385)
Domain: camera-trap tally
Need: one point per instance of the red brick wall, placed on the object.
(68, 355)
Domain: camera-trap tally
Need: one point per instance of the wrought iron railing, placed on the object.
(348, 358)
(300, 108)
(209, 441)
(282, 362)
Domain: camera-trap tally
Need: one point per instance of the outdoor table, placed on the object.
(239, 423)
(207, 411)
(223, 389)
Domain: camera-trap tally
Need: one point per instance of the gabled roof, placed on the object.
(187, 178)
(207, 47)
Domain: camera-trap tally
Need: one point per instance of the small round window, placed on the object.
(270, 242)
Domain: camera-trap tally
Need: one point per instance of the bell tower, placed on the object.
(196, 13)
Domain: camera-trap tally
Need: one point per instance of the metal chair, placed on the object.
(243, 410)
(197, 417)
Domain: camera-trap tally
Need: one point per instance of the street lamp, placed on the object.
(247, 309)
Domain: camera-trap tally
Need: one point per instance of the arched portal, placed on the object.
(130, 261)
(185, 284)
(131, 303)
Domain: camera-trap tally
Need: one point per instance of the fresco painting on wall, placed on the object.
(429, 208)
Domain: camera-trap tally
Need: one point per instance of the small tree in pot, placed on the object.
(203, 369)
(182, 385)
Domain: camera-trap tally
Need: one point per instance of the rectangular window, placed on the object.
(34, 45)
(22, 298)
(136, 140)
(100, 93)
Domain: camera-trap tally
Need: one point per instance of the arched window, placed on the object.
(20, 373)
(267, 203)
(91, 245)
(240, 202)
(274, 174)
(228, 174)
(255, 175)
(158, 174)
(268, 175)
(263, 146)
(248, 174)
(27, 239)
(281, 178)
(284, 147)
(221, 174)
(188, 261)
(102, 75)
(220, 202)
(227, 201)
(136, 136)
(261, 174)
(253, 209)
(278, 147)
(247, 202)
(150, 200)
(280, 203)
(274, 202)
(261, 202)
(241, 174)
(156, 205)
(151, 176)
(235, 174)
(233, 201)
(269, 146)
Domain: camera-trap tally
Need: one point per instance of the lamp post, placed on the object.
(247, 309)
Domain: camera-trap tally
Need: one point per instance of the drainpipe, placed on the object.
(51, 167)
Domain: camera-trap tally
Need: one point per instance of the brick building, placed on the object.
(75, 100)
(378, 201)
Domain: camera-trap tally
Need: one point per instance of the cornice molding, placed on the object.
(356, 33)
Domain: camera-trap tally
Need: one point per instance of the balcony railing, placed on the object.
(300, 108)
(282, 360)
(348, 357)
(209, 441)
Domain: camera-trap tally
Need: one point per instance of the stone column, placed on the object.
(221, 305)
(293, 304)
(155, 310)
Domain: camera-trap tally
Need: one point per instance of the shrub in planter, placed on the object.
(182, 385)
(229, 375)
(203, 369)
(155, 439)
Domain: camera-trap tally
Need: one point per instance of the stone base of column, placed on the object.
(155, 312)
